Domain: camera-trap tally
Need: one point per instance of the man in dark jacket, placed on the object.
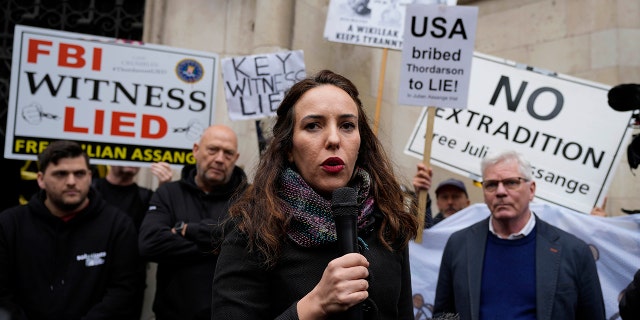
(451, 195)
(182, 229)
(630, 302)
(514, 265)
(67, 254)
(120, 189)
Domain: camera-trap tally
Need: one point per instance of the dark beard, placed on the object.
(66, 207)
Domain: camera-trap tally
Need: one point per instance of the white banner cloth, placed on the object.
(615, 242)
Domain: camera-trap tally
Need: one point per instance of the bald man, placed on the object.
(183, 227)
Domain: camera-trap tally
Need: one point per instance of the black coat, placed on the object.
(86, 268)
(630, 302)
(186, 264)
(132, 199)
(245, 289)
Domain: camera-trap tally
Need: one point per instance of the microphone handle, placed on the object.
(353, 313)
(347, 242)
(346, 233)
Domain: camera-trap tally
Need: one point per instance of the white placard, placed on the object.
(555, 120)
(436, 55)
(370, 23)
(125, 102)
(255, 85)
(374, 23)
(614, 242)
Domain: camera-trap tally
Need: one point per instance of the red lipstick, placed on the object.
(333, 165)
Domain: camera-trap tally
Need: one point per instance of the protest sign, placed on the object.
(436, 55)
(255, 85)
(555, 120)
(373, 23)
(126, 103)
(436, 66)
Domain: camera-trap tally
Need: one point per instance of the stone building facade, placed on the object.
(596, 40)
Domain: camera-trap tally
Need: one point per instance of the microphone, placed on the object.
(624, 97)
(344, 206)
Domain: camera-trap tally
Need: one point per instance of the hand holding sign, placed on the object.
(436, 63)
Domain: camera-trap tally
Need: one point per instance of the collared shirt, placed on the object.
(521, 234)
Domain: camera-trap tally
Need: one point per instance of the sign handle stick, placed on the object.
(426, 159)
(383, 68)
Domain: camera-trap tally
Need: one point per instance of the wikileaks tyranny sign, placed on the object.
(126, 103)
(373, 23)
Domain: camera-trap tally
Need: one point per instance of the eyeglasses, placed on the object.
(509, 184)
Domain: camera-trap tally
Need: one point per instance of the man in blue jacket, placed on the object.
(513, 265)
(68, 254)
(183, 227)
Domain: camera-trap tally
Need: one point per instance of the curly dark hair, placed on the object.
(259, 211)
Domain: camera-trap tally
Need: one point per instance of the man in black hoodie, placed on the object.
(630, 303)
(67, 254)
(183, 227)
(120, 189)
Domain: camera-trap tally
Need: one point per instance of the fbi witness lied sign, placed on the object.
(124, 102)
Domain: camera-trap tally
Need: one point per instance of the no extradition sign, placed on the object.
(563, 125)
(124, 102)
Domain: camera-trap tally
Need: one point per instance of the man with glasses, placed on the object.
(513, 265)
(67, 254)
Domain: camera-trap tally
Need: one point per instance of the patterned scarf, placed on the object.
(312, 222)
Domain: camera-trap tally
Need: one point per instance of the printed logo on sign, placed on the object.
(189, 70)
(92, 259)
